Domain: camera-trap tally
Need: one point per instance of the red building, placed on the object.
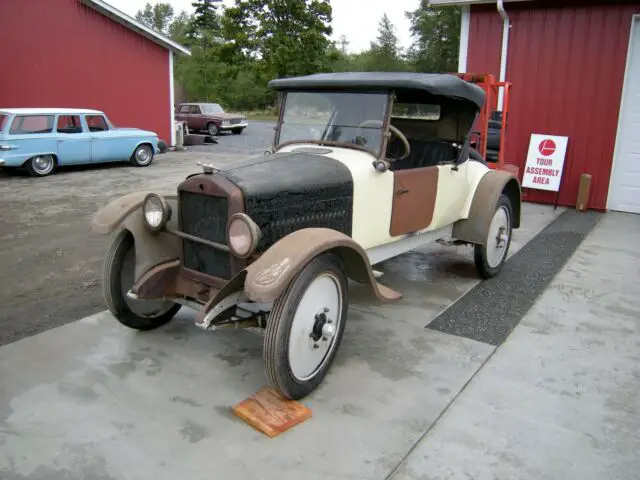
(575, 69)
(87, 54)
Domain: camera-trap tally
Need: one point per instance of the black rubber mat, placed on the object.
(492, 309)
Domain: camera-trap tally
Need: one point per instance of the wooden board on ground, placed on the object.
(270, 413)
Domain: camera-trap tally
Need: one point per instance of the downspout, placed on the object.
(506, 26)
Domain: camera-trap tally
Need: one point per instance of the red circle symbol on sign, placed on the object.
(547, 147)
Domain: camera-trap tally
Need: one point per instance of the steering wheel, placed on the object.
(396, 132)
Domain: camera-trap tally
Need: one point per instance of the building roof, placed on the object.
(436, 84)
(444, 3)
(47, 111)
(138, 27)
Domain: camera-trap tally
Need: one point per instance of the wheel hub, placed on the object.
(323, 328)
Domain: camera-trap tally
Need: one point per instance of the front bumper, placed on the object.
(236, 125)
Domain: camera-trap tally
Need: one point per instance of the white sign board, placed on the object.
(545, 162)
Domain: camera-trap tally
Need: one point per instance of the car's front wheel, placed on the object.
(305, 327)
(212, 129)
(41, 166)
(142, 155)
(118, 278)
(490, 258)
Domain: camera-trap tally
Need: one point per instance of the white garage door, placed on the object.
(624, 193)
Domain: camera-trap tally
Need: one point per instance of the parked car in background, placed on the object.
(41, 139)
(210, 117)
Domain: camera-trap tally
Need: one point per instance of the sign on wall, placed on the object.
(545, 162)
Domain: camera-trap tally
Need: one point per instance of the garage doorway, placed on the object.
(624, 188)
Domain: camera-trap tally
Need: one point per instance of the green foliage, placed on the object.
(236, 50)
(158, 16)
(437, 33)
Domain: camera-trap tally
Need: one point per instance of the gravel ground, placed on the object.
(50, 261)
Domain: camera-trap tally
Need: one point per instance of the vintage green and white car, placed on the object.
(364, 167)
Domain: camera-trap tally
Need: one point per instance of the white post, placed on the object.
(506, 26)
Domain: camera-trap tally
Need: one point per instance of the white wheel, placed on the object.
(305, 327)
(142, 156)
(489, 258)
(41, 166)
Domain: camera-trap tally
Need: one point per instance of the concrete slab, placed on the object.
(561, 397)
(92, 399)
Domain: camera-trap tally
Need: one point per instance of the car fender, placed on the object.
(151, 248)
(150, 141)
(475, 228)
(268, 276)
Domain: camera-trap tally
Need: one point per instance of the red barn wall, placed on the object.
(62, 53)
(566, 61)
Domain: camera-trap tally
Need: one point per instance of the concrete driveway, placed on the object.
(91, 399)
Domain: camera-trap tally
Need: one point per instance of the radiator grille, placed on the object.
(205, 216)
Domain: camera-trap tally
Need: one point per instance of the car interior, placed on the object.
(435, 128)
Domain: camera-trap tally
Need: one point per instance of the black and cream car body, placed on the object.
(364, 167)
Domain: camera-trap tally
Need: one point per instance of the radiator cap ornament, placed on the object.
(208, 168)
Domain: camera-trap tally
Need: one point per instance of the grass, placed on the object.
(268, 115)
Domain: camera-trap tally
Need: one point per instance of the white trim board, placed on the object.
(172, 135)
(635, 24)
(445, 3)
(463, 53)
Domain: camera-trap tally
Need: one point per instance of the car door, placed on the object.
(73, 140)
(104, 148)
(196, 119)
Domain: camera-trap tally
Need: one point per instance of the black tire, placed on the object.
(142, 156)
(40, 165)
(212, 129)
(118, 263)
(485, 268)
(278, 332)
(237, 131)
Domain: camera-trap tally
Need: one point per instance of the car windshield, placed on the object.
(3, 121)
(210, 108)
(334, 118)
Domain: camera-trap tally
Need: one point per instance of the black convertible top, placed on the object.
(434, 83)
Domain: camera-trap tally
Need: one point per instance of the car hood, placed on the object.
(133, 129)
(291, 173)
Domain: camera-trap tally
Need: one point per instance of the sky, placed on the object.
(356, 19)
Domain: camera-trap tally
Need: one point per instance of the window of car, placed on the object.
(212, 108)
(3, 121)
(69, 124)
(195, 109)
(30, 124)
(416, 111)
(97, 123)
(185, 109)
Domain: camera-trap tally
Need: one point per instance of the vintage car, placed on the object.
(210, 117)
(41, 139)
(363, 167)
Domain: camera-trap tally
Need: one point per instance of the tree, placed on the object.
(385, 53)
(290, 37)
(437, 38)
(205, 16)
(158, 16)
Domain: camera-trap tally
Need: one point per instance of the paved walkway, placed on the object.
(560, 399)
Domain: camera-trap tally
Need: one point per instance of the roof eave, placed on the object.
(124, 19)
(446, 3)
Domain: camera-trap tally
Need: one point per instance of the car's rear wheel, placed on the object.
(305, 327)
(142, 156)
(212, 129)
(41, 166)
(117, 280)
(490, 258)
(237, 131)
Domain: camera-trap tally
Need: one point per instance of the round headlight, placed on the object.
(156, 211)
(243, 235)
